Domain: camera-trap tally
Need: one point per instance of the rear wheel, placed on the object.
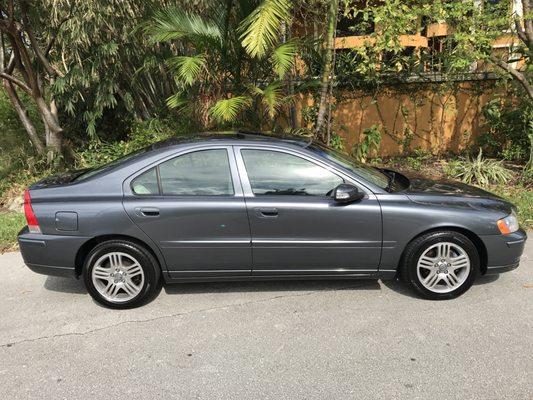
(121, 274)
(440, 265)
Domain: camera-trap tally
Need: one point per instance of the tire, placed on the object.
(121, 274)
(440, 265)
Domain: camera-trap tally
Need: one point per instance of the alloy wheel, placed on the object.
(118, 277)
(443, 267)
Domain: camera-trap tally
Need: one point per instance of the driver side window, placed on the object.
(275, 173)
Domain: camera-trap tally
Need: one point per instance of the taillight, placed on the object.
(31, 219)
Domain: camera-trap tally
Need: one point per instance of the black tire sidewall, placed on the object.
(151, 277)
(419, 246)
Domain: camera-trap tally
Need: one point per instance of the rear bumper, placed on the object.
(50, 254)
(52, 270)
(504, 251)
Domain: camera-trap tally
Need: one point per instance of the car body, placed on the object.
(223, 207)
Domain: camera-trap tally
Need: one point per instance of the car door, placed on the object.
(296, 226)
(192, 206)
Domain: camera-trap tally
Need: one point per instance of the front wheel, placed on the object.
(440, 265)
(121, 274)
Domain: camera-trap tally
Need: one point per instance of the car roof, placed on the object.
(231, 136)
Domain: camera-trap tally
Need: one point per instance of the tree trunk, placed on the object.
(327, 67)
(529, 165)
(24, 117)
(54, 139)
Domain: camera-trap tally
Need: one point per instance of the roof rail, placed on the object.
(301, 140)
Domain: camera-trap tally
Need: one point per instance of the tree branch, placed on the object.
(519, 30)
(528, 22)
(517, 75)
(16, 81)
(34, 44)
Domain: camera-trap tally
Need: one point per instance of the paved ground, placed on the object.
(308, 340)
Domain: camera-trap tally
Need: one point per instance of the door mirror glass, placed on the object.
(346, 193)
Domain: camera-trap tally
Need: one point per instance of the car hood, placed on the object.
(446, 187)
(448, 192)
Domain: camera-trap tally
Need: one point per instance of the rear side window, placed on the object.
(146, 183)
(200, 173)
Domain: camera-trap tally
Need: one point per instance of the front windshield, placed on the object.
(370, 174)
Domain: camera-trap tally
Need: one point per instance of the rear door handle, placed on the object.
(267, 212)
(147, 211)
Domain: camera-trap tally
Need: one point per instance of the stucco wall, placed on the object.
(435, 118)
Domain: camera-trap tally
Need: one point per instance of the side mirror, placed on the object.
(346, 193)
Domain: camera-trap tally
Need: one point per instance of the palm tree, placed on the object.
(228, 60)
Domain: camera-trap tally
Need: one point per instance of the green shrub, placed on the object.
(370, 144)
(507, 123)
(479, 170)
(142, 134)
(416, 160)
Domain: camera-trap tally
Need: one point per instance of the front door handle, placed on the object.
(267, 212)
(147, 211)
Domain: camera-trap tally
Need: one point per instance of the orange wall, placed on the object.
(436, 122)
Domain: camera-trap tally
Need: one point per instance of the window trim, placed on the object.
(156, 168)
(245, 181)
(234, 174)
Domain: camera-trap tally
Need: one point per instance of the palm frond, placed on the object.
(226, 110)
(283, 58)
(259, 30)
(177, 101)
(187, 68)
(174, 23)
(271, 97)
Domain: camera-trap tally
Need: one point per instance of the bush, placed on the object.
(370, 144)
(479, 170)
(142, 134)
(507, 123)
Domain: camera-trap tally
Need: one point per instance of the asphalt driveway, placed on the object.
(308, 340)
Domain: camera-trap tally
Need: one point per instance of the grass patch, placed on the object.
(10, 225)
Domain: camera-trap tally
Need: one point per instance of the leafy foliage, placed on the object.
(97, 153)
(187, 68)
(479, 170)
(508, 124)
(370, 143)
(223, 51)
(175, 23)
(226, 110)
(260, 29)
(283, 58)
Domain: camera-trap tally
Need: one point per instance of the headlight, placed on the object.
(508, 224)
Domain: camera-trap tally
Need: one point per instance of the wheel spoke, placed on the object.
(114, 290)
(432, 279)
(427, 262)
(115, 260)
(459, 262)
(134, 270)
(444, 250)
(130, 288)
(101, 273)
(452, 278)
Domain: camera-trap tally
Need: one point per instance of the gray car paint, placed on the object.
(206, 238)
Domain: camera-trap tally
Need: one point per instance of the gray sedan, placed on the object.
(241, 206)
